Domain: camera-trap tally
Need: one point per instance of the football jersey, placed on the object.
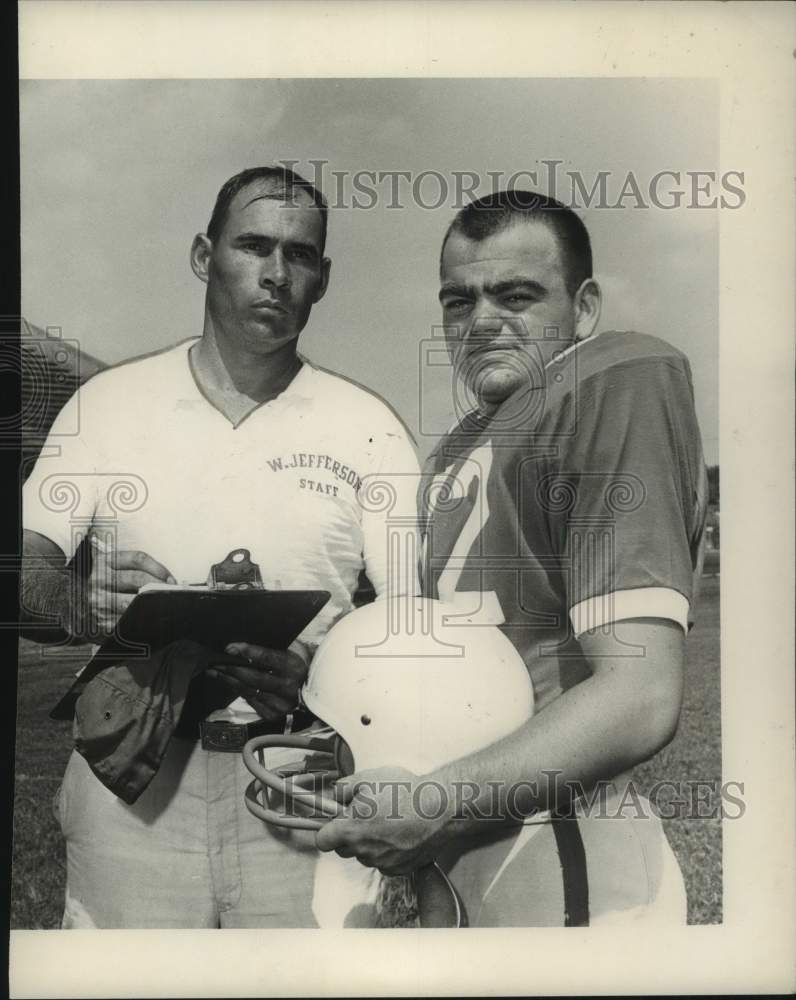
(580, 502)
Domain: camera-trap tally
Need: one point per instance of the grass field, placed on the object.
(43, 747)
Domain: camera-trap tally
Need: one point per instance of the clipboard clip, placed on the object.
(236, 572)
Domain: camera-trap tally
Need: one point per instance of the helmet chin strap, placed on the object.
(439, 904)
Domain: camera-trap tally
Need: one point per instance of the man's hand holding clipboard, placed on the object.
(139, 603)
(271, 680)
(115, 579)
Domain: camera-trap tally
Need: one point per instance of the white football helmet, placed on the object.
(405, 682)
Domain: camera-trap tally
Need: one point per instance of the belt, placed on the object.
(230, 737)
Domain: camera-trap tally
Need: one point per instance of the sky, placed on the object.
(118, 176)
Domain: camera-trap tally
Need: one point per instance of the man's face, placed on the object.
(505, 307)
(265, 270)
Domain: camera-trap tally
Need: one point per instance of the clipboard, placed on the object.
(212, 617)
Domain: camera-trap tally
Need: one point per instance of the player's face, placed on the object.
(505, 307)
(265, 270)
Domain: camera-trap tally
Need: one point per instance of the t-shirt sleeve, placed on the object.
(627, 501)
(59, 498)
(389, 516)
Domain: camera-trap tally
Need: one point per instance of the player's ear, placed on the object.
(201, 249)
(588, 304)
(323, 284)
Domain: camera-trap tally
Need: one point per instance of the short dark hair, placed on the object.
(286, 180)
(497, 211)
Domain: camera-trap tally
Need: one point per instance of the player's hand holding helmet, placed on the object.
(407, 685)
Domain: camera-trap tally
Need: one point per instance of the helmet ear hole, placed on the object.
(343, 758)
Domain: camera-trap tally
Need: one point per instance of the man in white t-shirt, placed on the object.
(230, 440)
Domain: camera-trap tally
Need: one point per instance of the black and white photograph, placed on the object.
(375, 427)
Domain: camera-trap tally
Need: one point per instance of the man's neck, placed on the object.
(236, 381)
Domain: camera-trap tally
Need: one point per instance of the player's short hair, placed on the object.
(497, 211)
(286, 182)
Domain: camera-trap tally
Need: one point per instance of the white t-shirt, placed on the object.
(312, 482)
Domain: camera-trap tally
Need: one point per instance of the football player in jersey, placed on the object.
(573, 493)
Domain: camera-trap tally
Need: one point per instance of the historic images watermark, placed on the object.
(430, 189)
(499, 801)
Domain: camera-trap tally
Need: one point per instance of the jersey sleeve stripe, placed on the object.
(644, 602)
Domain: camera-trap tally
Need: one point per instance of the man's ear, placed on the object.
(588, 304)
(326, 266)
(201, 249)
